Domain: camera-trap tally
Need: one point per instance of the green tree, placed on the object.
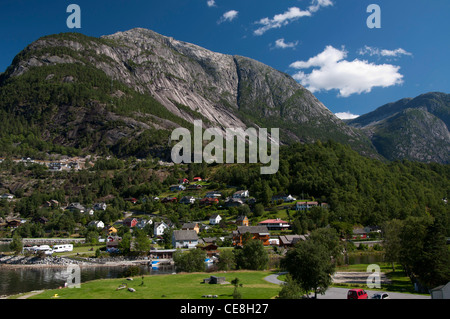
(310, 265)
(412, 237)
(330, 239)
(92, 237)
(433, 267)
(16, 244)
(391, 241)
(291, 289)
(190, 261)
(141, 242)
(236, 282)
(125, 245)
(259, 210)
(252, 256)
(227, 260)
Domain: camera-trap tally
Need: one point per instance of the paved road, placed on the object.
(341, 293)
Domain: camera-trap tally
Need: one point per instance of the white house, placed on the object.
(177, 188)
(97, 223)
(184, 239)
(76, 206)
(441, 292)
(275, 224)
(213, 194)
(301, 206)
(100, 206)
(187, 200)
(215, 219)
(159, 228)
(143, 222)
(284, 198)
(241, 194)
(7, 196)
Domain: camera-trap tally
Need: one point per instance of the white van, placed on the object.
(62, 248)
(45, 248)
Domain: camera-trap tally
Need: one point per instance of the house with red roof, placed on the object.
(275, 224)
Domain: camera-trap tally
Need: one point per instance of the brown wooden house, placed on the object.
(256, 232)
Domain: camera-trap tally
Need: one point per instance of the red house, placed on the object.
(169, 200)
(133, 200)
(209, 201)
(130, 222)
(275, 224)
(359, 233)
(197, 179)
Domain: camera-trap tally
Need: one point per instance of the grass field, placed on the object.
(82, 250)
(180, 286)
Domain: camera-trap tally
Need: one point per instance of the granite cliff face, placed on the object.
(414, 129)
(183, 81)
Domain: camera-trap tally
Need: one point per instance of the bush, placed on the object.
(363, 247)
(132, 271)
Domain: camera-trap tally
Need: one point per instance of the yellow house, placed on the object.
(242, 221)
(111, 230)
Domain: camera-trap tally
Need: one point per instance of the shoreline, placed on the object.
(118, 264)
(16, 262)
(82, 265)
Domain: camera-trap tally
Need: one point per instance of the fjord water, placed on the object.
(20, 280)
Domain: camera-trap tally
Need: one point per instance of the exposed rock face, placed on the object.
(414, 129)
(193, 83)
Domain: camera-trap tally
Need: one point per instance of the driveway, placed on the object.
(341, 293)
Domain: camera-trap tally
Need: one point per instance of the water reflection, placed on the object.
(19, 280)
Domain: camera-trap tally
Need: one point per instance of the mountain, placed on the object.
(413, 128)
(124, 93)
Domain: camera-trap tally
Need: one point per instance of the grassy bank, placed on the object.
(180, 286)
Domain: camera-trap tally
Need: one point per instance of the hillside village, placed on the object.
(130, 210)
(272, 231)
(229, 219)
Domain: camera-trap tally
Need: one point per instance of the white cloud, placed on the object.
(280, 20)
(332, 72)
(292, 14)
(229, 16)
(371, 51)
(346, 116)
(211, 3)
(281, 44)
(317, 4)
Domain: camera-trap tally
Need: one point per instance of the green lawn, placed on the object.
(82, 250)
(180, 286)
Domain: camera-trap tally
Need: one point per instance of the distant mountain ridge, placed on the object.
(124, 93)
(121, 92)
(412, 128)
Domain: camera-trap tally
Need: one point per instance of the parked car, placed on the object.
(357, 294)
(380, 295)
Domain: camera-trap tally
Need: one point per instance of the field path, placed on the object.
(30, 294)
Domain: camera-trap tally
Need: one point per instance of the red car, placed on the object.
(357, 294)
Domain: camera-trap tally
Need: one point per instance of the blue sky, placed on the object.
(326, 45)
